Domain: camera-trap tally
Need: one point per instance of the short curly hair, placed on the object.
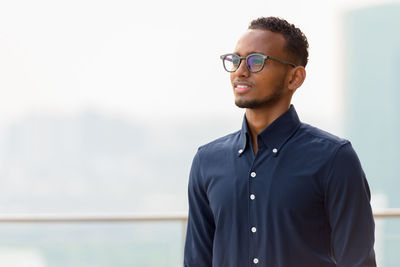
(296, 41)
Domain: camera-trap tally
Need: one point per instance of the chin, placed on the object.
(258, 103)
(242, 103)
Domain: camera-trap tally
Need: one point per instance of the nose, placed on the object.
(242, 71)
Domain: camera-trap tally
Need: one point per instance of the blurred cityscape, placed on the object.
(93, 163)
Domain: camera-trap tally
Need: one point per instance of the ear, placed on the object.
(296, 78)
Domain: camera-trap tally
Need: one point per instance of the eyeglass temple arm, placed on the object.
(283, 61)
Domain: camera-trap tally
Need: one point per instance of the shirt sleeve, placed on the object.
(201, 227)
(347, 199)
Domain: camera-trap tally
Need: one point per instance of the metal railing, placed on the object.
(128, 218)
(93, 218)
(124, 217)
(89, 217)
(387, 213)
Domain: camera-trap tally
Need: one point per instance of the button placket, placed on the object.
(252, 180)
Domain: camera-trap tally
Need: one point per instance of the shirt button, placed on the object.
(240, 151)
(255, 260)
(252, 196)
(253, 174)
(253, 229)
(274, 150)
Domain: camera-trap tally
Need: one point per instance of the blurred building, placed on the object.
(372, 113)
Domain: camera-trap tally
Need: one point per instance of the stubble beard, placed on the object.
(258, 103)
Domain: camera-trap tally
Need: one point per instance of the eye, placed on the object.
(255, 62)
(235, 61)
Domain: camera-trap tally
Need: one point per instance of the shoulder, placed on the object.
(314, 140)
(218, 151)
(224, 143)
(334, 157)
(316, 149)
(320, 136)
(214, 154)
(337, 153)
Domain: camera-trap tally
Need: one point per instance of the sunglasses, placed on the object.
(254, 62)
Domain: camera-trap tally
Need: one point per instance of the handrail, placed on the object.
(387, 213)
(88, 217)
(124, 217)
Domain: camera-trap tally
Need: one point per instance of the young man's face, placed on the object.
(267, 87)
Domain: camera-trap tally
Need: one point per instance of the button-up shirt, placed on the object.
(301, 200)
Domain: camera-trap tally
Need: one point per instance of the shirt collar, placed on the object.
(275, 135)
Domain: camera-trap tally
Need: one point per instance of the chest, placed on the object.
(284, 183)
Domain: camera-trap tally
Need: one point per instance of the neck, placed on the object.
(259, 119)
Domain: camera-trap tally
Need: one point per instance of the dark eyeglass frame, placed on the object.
(265, 57)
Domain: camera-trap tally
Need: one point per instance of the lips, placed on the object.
(242, 87)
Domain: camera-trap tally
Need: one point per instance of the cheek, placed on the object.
(270, 80)
(232, 77)
(263, 81)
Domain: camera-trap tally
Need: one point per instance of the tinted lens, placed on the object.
(255, 63)
(231, 62)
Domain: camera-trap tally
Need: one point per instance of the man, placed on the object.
(277, 193)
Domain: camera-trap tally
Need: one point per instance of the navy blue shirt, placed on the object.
(302, 200)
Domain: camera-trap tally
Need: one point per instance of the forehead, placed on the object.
(267, 42)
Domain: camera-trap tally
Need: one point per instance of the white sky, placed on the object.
(153, 59)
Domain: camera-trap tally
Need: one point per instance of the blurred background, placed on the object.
(103, 105)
